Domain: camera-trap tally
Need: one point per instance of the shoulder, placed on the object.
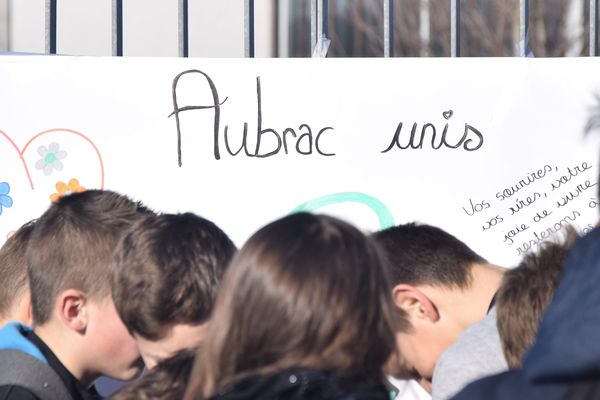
(477, 344)
(481, 331)
(513, 384)
(583, 390)
(477, 353)
(29, 378)
(12, 392)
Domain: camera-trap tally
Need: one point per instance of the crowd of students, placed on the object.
(309, 307)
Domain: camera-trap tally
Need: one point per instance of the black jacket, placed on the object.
(301, 384)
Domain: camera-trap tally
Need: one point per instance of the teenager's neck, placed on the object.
(66, 350)
(469, 305)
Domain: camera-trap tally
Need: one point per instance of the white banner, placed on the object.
(491, 150)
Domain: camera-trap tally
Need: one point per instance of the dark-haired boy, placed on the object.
(77, 334)
(440, 288)
(165, 275)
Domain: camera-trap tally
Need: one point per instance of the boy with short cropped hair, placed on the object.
(165, 274)
(443, 292)
(525, 293)
(77, 334)
(15, 301)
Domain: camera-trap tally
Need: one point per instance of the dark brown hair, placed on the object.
(13, 268)
(166, 270)
(166, 381)
(525, 293)
(72, 244)
(306, 290)
(419, 254)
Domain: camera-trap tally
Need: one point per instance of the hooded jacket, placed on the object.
(565, 358)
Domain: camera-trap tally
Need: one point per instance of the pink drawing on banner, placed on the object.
(52, 155)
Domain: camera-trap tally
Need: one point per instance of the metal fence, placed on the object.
(318, 29)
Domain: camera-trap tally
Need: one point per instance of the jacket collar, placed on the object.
(13, 337)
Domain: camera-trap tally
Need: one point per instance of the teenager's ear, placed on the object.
(414, 302)
(73, 309)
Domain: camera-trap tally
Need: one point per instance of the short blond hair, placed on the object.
(72, 244)
(13, 269)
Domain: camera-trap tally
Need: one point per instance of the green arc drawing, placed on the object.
(386, 219)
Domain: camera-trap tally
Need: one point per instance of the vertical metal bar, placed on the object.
(523, 27)
(388, 28)
(424, 27)
(50, 26)
(183, 37)
(249, 28)
(283, 29)
(319, 25)
(323, 12)
(117, 28)
(593, 28)
(313, 25)
(455, 28)
(4, 26)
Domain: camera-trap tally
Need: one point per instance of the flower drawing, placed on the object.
(5, 200)
(64, 189)
(51, 157)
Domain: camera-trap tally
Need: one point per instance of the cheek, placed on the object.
(121, 344)
(121, 356)
(119, 347)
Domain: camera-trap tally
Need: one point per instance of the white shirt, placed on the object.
(409, 389)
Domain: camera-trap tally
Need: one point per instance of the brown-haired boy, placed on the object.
(525, 293)
(77, 334)
(15, 301)
(165, 274)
